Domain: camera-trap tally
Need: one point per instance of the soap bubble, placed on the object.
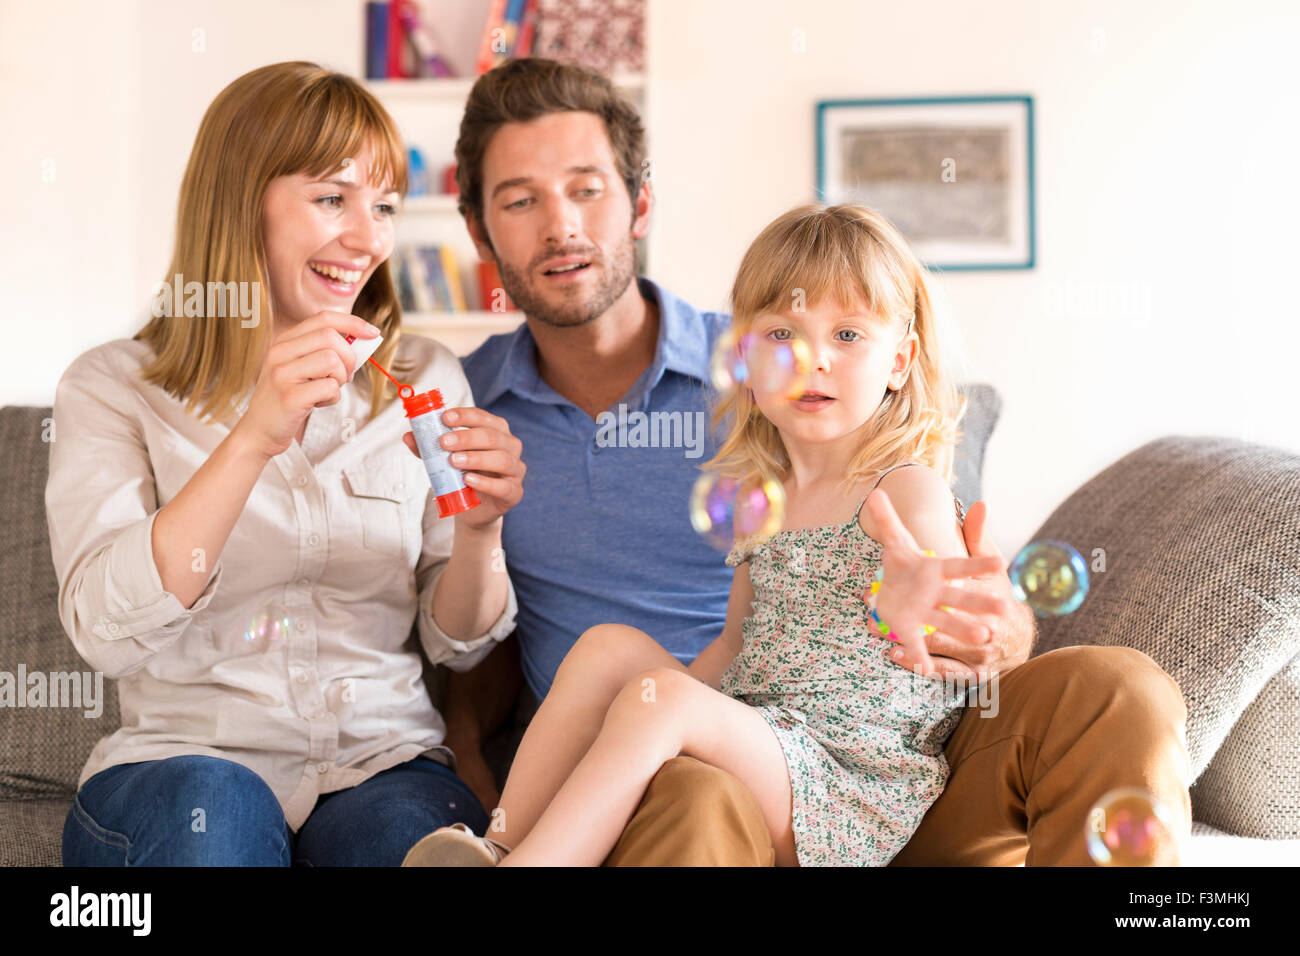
(1050, 577)
(727, 365)
(721, 511)
(1129, 827)
(772, 368)
(778, 369)
(268, 629)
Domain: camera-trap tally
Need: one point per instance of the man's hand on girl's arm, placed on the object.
(1012, 631)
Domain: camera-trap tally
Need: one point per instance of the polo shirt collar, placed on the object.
(683, 337)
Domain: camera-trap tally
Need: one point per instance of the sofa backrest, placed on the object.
(1199, 539)
(42, 748)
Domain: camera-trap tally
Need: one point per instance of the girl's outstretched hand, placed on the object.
(916, 589)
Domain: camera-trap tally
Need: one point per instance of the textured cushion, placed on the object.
(42, 750)
(1259, 758)
(982, 410)
(1201, 541)
(31, 831)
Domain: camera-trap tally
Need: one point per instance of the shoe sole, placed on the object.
(449, 848)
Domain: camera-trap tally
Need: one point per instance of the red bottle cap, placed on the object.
(429, 401)
(455, 502)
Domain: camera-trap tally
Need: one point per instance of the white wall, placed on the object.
(111, 93)
(1163, 162)
(1165, 167)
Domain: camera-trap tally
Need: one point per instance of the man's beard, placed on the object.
(616, 274)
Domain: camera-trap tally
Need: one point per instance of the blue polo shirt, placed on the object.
(603, 532)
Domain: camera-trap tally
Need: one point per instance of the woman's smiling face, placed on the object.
(324, 237)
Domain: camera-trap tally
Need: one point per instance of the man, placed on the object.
(549, 171)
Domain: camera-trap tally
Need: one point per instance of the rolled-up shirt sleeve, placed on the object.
(438, 534)
(100, 506)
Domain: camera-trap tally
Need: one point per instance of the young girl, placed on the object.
(842, 749)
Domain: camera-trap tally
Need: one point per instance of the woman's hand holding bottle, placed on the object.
(482, 446)
(305, 367)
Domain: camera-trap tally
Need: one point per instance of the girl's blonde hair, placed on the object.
(275, 121)
(853, 256)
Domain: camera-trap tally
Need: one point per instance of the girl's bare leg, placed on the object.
(657, 715)
(597, 667)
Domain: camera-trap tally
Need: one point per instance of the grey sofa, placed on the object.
(1203, 545)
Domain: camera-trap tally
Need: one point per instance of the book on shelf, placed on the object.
(491, 292)
(507, 32)
(435, 270)
(428, 279)
(376, 41)
(417, 281)
(400, 42)
(451, 276)
(609, 35)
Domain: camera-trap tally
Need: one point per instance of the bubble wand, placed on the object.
(452, 494)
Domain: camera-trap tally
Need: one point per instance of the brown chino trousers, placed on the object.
(1069, 726)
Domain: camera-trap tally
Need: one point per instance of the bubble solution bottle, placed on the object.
(423, 410)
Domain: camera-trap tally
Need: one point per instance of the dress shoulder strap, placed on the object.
(901, 464)
(961, 511)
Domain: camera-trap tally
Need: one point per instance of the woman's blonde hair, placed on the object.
(278, 120)
(853, 256)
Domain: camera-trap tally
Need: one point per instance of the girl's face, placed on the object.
(854, 357)
(325, 236)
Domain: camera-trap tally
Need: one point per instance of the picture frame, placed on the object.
(955, 174)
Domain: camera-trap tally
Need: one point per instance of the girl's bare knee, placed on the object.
(604, 657)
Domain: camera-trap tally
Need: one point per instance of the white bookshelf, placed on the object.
(428, 113)
(462, 332)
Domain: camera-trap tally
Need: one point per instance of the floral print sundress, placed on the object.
(863, 738)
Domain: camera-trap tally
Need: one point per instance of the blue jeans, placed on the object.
(147, 814)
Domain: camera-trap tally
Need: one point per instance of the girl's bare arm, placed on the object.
(714, 660)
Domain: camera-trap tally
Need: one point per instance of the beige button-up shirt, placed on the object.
(342, 532)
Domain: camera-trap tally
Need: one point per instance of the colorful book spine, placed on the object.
(376, 40)
(414, 264)
(487, 53)
(514, 14)
(527, 30)
(451, 272)
(437, 283)
(428, 62)
(491, 293)
(396, 39)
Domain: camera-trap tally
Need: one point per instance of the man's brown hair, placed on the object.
(528, 88)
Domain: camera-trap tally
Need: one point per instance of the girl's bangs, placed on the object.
(854, 279)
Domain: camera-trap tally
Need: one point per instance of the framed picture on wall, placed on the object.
(955, 173)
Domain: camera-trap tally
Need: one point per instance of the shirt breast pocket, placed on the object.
(378, 496)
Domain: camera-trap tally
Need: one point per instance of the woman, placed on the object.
(241, 538)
